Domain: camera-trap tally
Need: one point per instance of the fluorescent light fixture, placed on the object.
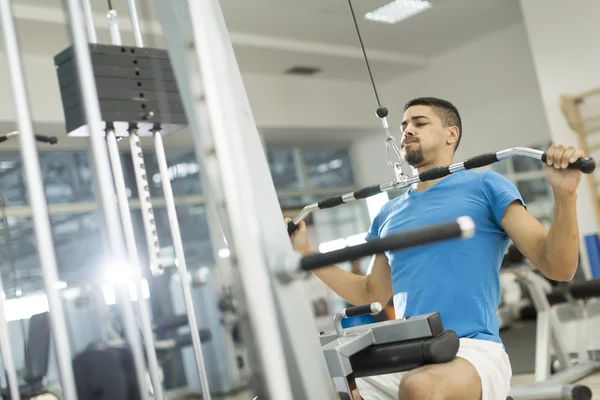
(398, 10)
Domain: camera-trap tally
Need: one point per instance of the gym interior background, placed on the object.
(504, 64)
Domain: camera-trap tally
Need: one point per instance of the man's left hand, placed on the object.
(558, 175)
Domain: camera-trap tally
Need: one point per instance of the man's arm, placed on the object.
(355, 289)
(358, 289)
(555, 252)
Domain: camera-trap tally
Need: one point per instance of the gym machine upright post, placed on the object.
(39, 208)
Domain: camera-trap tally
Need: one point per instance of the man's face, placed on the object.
(422, 135)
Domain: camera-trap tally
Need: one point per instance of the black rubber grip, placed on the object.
(331, 202)
(46, 139)
(577, 290)
(358, 310)
(587, 165)
(398, 241)
(291, 227)
(480, 161)
(185, 339)
(367, 192)
(581, 392)
(171, 322)
(434, 173)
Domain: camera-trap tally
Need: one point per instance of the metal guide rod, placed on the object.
(113, 26)
(148, 221)
(139, 170)
(89, 21)
(37, 199)
(181, 264)
(174, 228)
(291, 360)
(130, 243)
(147, 335)
(103, 178)
(135, 23)
(6, 349)
(273, 378)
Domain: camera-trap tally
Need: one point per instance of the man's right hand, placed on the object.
(299, 238)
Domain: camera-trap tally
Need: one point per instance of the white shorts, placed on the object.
(490, 361)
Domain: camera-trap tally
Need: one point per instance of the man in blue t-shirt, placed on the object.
(457, 278)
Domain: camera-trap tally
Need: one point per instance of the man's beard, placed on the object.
(414, 157)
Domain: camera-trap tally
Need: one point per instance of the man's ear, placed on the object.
(453, 135)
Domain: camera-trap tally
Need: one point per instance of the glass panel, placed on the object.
(524, 164)
(283, 168)
(184, 172)
(11, 179)
(193, 224)
(501, 167)
(534, 190)
(67, 177)
(78, 247)
(292, 203)
(326, 167)
(341, 222)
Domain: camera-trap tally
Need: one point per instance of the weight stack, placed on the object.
(136, 90)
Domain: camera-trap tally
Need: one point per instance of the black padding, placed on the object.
(404, 356)
(480, 161)
(578, 290)
(170, 322)
(358, 310)
(37, 351)
(185, 340)
(435, 323)
(581, 392)
(331, 202)
(367, 192)
(434, 173)
(344, 396)
(105, 372)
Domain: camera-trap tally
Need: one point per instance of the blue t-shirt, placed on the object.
(457, 278)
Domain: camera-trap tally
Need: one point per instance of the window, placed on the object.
(67, 177)
(282, 165)
(301, 176)
(327, 167)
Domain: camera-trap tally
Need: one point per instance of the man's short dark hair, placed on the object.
(445, 111)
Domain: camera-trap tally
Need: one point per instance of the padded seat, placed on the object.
(404, 356)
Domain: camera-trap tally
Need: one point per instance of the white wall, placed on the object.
(490, 80)
(566, 54)
(279, 101)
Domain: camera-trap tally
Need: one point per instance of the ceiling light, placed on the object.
(398, 10)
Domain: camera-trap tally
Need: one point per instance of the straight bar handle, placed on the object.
(462, 227)
(587, 165)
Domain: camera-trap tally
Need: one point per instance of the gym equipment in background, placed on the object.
(554, 378)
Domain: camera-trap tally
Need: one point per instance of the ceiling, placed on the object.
(271, 36)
